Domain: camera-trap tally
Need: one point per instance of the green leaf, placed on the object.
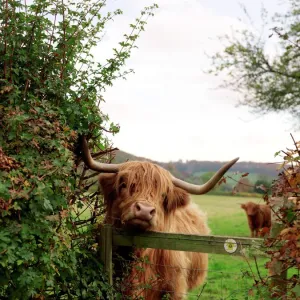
(19, 262)
(47, 204)
(296, 290)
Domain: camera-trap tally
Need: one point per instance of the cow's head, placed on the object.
(250, 208)
(142, 194)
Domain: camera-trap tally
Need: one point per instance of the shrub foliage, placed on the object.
(50, 90)
(283, 246)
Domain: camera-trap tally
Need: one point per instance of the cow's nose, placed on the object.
(144, 211)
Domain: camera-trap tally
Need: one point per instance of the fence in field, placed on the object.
(226, 245)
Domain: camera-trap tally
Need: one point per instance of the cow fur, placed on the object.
(178, 271)
(259, 217)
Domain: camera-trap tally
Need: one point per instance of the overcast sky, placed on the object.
(169, 109)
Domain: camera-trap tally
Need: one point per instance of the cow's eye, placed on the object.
(165, 200)
(122, 186)
(132, 189)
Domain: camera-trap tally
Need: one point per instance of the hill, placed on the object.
(121, 156)
(197, 168)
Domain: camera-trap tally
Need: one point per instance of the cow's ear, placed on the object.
(107, 182)
(243, 206)
(178, 198)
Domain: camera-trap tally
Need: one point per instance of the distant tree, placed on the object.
(171, 167)
(267, 84)
(224, 187)
(244, 185)
(206, 176)
(261, 186)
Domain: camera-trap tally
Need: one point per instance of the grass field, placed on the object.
(229, 277)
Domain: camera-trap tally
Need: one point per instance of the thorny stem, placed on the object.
(43, 77)
(257, 269)
(25, 6)
(106, 130)
(5, 36)
(247, 261)
(199, 295)
(298, 150)
(101, 153)
(277, 215)
(90, 176)
(94, 211)
(88, 22)
(53, 29)
(89, 185)
(64, 43)
(281, 35)
(82, 176)
(240, 182)
(12, 51)
(81, 222)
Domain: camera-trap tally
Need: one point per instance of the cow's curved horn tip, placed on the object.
(235, 159)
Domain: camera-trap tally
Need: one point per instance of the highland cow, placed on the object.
(144, 196)
(259, 217)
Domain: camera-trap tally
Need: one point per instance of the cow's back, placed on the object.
(198, 264)
(191, 220)
(188, 220)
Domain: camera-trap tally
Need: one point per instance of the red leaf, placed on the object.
(222, 180)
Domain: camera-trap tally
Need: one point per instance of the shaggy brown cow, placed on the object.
(144, 196)
(259, 216)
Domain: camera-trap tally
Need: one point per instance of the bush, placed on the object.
(50, 88)
(283, 246)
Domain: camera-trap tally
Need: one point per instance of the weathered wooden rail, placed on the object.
(237, 246)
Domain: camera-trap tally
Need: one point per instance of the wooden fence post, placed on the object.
(106, 251)
(279, 277)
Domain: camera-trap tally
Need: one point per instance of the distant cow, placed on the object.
(144, 196)
(259, 216)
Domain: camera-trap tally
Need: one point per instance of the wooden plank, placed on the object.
(278, 277)
(102, 245)
(106, 251)
(186, 242)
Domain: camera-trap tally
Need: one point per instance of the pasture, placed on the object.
(229, 277)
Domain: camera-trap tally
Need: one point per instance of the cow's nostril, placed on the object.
(138, 207)
(152, 212)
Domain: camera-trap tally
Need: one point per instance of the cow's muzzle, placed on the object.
(143, 210)
(142, 214)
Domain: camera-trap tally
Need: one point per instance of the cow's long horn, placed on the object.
(203, 189)
(93, 164)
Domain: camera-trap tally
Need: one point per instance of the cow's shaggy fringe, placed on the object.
(147, 179)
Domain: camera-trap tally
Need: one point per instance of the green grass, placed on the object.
(225, 216)
(229, 277)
